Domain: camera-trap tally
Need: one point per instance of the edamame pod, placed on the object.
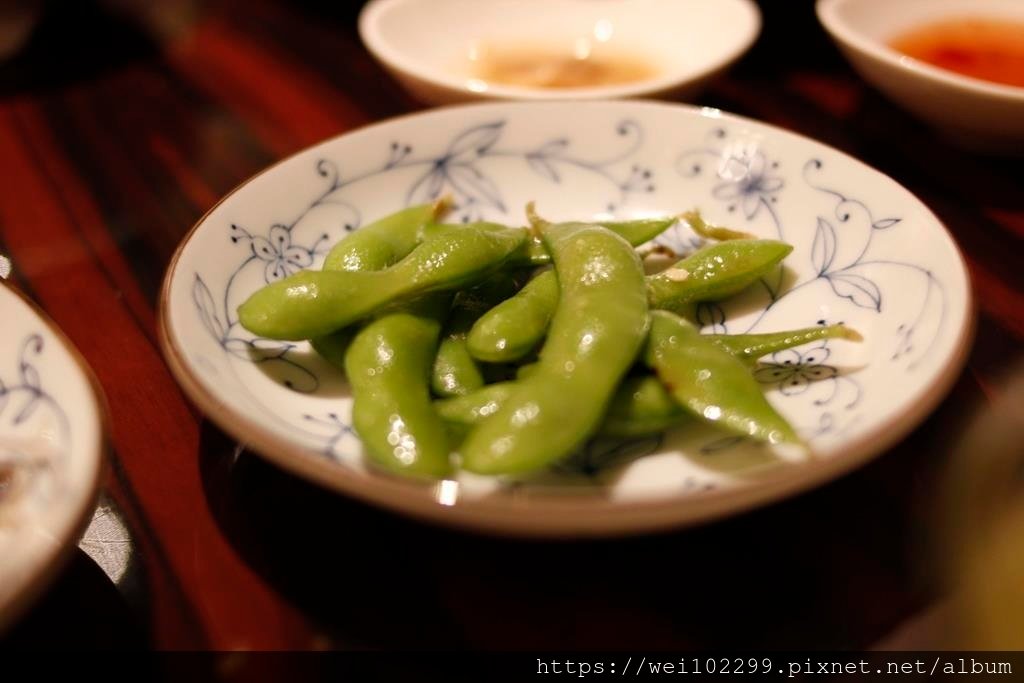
(642, 406)
(332, 347)
(474, 407)
(597, 331)
(709, 383)
(311, 304)
(715, 272)
(373, 247)
(534, 253)
(386, 241)
(511, 329)
(751, 347)
(455, 370)
(636, 232)
(517, 325)
(524, 371)
(640, 230)
(388, 366)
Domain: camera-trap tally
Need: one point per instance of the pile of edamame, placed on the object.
(502, 350)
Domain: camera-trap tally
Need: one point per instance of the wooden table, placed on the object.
(117, 131)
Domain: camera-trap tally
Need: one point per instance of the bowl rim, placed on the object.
(79, 517)
(828, 12)
(560, 515)
(386, 54)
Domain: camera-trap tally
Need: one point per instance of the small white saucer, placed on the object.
(428, 46)
(972, 113)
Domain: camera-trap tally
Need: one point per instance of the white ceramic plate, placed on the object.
(51, 451)
(429, 45)
(866, 253)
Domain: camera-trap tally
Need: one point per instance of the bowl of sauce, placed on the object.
(957, 64)
(445, 51)
(986, 49)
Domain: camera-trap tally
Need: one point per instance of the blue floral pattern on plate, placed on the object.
(23, 397)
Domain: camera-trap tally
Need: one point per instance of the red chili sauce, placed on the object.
(989, 49)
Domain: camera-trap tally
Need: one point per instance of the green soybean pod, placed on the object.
(513, 328)
(455, 370)
(472, 408)
(332, 347)
(373, 247)
(524, 371)
(636, 232)
(597, 330)
(710, 383)
(642, 406)
(388, 367)
(639, 231)
(385, 241)
(751, 347)
(715, 272)
(432, 230)
(534, 253)
(311, 304)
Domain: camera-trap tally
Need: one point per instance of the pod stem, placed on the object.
(536, 222)
(712, 232)
(442, 205)
(841, 331)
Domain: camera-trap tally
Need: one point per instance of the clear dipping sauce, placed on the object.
(988, 49)
(553, 67)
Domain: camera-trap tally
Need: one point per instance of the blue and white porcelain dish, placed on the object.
(867, 253)
(51, 451)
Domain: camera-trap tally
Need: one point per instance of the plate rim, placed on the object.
(56, 557)
(561, 515)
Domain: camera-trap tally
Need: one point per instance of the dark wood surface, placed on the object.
(120, 128)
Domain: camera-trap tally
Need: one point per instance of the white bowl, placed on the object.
(427, 44)
(866, 252)
(51, 437)
(972, 113)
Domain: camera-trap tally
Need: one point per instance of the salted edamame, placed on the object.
(456, 371)
(311, 304)
(516, 326)
(374, 247)
(388, 365)
(422, 315)
(641, 406)
(710, 383)
(595, 335)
